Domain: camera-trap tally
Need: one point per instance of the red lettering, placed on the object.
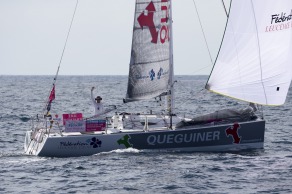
(163, 34)
(164, 20)
(164, 31)
(278, 27)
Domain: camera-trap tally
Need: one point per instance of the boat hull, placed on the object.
(212, 138)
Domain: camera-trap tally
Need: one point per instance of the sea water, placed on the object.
(267, 170)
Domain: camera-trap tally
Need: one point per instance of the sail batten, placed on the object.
(254, 62)
(149, 72)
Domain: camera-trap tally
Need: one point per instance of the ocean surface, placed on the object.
(267, 170)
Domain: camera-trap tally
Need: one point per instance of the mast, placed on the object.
(171, 77)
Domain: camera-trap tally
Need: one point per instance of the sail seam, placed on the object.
(236, 43)
(143, 63)
(146, 3)
(259, 50)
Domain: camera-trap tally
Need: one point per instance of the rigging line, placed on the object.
(64, 48)
(190, 98)
(203, 32)
(198, 70)
(259, 50)
(66, 40)
(224, 7)
(192, 93)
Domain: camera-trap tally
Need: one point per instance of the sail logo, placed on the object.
(160, 72)
(283, 18)
(233, 132)
(146, 19)
(280, 22)
(152, 74)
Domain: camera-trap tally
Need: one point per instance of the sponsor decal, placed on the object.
(72, 117)
(183, 138)
(75, 126)
(88, 144)
(280, 21)
(95, 125)
(125, 141)
(68, 143)
(279, 18)
(152, 74)
(233, 132)
(142, 76)
(159, 73)
(95, 142)
(146, 19)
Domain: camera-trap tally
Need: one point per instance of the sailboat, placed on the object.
(254, 64)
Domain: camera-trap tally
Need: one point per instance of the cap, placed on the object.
(98, 98)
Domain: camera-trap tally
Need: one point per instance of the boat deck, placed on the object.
(138, 130)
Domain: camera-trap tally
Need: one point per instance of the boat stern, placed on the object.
(27, 140)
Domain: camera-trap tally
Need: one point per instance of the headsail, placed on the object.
(254, 63)
(149, 73)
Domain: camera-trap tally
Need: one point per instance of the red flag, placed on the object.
(52, 95)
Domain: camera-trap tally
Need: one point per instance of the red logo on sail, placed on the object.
(233, 131)
(146, 19)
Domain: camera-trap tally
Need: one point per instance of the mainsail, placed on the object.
(254, 63)
(149, 73)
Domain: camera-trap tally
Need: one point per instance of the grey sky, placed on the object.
(33, 32)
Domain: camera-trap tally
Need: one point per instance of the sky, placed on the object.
(33, 34)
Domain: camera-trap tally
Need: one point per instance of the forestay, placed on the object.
(254, 63)
(149, 72)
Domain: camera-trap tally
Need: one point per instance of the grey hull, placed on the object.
(228, 137)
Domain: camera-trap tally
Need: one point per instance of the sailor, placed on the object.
(98, 106)
(253, 106)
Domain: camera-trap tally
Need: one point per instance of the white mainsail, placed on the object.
(254, 63)
(149, 73)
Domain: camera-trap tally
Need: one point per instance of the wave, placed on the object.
(128, 150)
(22, 117)
(19, 158)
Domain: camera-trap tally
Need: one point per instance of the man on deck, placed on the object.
(98, 106)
